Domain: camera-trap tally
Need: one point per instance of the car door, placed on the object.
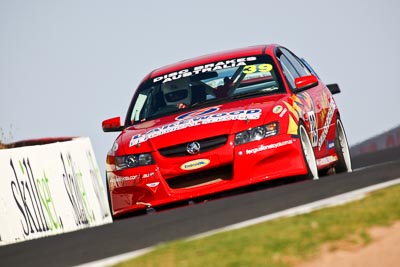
(314, 101)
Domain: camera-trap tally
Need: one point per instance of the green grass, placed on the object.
(281, 242)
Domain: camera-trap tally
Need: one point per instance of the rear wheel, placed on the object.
(308, 153)
(342, 149)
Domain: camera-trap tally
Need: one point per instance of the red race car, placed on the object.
(223, 121)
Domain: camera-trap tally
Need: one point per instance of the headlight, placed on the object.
(257, 133)
(132, 161)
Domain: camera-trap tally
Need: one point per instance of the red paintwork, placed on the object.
(254, 162)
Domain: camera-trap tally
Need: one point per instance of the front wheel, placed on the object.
(308, 154)
(109, 199)
(342, 149)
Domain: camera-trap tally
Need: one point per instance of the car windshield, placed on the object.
(227, 80)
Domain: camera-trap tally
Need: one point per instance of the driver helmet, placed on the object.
(177, 92)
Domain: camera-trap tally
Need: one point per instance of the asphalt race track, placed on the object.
(139, 232)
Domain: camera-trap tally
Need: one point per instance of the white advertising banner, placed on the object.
(50, 189)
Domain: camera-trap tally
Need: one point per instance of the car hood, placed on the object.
(218, 120)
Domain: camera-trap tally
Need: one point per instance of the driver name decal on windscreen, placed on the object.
(231, 63)
(203, 118)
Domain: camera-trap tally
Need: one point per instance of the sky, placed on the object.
(67, 65)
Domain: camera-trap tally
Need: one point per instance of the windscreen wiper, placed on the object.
(208, 102)
(252, 93)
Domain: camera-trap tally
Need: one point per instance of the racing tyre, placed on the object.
(109, 199)
(308, 153)
(342, 149)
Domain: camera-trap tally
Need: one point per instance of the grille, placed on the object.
(205, 145)
(201, 178)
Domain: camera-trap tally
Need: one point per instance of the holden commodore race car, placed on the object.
(223, 121)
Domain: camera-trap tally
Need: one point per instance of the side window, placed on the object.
(297, 64)
(288, 70)
(309, 67)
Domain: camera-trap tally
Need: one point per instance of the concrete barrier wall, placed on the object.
(50, 189)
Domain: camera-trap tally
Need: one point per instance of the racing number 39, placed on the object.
(313, 128)
(257, 68)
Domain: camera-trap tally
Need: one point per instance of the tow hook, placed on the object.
(149, 208)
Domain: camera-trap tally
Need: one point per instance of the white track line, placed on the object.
(307, 208)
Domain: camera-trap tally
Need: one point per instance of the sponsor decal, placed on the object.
(195, 164)
(329, 117)
(153, 186)
(313, 128)
(268, 147)
(147, 175)
(196, 118)
(277, 109)
(136, 178)
(283, 112)
(326, 160)
(231, 63)
(330, 144)
(119, 179)
(198, 113)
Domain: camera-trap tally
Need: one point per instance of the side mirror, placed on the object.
(112, 125)
(334, 88)
(305, 82)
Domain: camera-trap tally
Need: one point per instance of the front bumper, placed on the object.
(227, 167)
